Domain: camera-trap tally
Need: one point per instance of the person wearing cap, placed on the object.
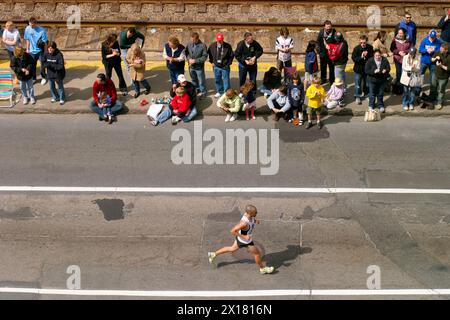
(247, 53)
(444, 25)
(439, 84)
(361, 53)
(428, 48)
(410, 27)
(411, 79)
(191, 91)
(174, 54)
(196, 55)
(221, 56)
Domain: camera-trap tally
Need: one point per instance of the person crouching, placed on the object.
(231, 104)
(180, 105)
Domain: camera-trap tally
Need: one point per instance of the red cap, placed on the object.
(448, 11)
(219, 37)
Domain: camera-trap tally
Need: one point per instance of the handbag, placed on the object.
(416, 80)
(372, 116)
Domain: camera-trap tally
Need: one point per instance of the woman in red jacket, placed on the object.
(400, 47)
(181, 105)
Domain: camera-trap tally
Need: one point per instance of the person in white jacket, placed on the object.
(411, 79)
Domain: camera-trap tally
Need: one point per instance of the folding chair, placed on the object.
(7, 92)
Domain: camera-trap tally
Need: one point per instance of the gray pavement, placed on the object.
(159, 242)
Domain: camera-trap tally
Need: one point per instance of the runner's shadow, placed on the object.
(277, 259)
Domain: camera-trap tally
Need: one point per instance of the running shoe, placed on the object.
(267, 270)
(211, 257)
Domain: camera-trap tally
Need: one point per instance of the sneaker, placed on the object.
(309, 125)
(43, 81)
(25, 101)
(319, 125)
(253, 118)
(111, 119)
(411, 108)
(233, 118)
(405, 108)
(358, 101)
(33, 101)
(248, 118)
(211, 257)
(61, 102)
(439, 106)
(147, 92)
(53, 100)
(217, 95)
(175, 120)
(382, 110)
(370, 109)
(266, 270)
(228, 118)
(266, 95)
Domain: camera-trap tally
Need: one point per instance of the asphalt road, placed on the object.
(159, 241)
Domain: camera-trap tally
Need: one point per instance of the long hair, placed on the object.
(135, 51)
(380, 35)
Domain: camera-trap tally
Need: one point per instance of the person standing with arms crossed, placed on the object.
(243, 232)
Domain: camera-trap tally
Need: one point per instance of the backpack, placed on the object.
(335, 51)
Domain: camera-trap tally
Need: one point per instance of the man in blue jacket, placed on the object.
(410, 27)
(444, 25)
(428, 48)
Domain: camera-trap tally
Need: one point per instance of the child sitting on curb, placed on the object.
(335, 96)
(180, 105)
(231, 104)
(279, 103)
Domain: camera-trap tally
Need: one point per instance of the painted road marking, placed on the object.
(220, 190)
(229, 294)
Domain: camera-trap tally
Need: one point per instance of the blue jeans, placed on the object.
(114, 108)
(123, 54)
(409, 95)
(432, 69)
(198, 79)
(59, 94)
(106, 111)
(27, 89)
(361, 89)
(252, 71)
(137, 86)
(263, 89)
(174, 75)
(191, 115)
(339, 72)
(222, 79)
(376, 94)
(164, 115)
(37, 57)
(437, 91)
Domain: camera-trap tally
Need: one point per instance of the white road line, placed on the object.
(220, 190)
(228, 294)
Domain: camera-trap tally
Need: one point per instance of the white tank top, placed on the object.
(251, 223)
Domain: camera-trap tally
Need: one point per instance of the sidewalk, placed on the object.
(81, 75)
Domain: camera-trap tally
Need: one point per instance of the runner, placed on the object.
(244, 239)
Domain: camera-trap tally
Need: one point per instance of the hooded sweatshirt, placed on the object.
(54, 63)
(424, 45)
(282, 101)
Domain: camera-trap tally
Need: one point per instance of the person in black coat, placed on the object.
(377, 70)
(53, 62)
(111, 60)
(326, 36)
(247, 53)
(361, 54)
(22, 64)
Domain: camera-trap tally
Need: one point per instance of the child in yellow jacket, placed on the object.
(316, 94)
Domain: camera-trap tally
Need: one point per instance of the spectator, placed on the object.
(361, 54)
(196, 55)
(105, 100)
(111, 60)
(428, 48)
(180, 104)
(279, 103)
(342, 58)
(247, 53)
(411, 79)
(271, 81)
(248, 99)
(410, 27)
(400, 47)
(316, 95)
(380, 44)
(311, 64)
(104, 84)
(191, 92)
(284, 45)
(335, 96)
(53, 63)
(377, 70)
(36, 41)
(326, 36)
(136, 60)
(231, 104)
(296, 94)
(128, 38)
(221, 55)
(174, 54)
(438, 87)
(22, 64)
(444, 25)
(11, 38)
